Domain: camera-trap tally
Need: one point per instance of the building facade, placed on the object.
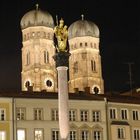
(32, 113)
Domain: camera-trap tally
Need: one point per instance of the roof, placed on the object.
(72, 96)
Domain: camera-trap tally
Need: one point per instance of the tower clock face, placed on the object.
(96, 89)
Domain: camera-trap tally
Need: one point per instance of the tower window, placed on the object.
(76, 67)
(46, 56)
(33, 34)
(28, 58)
(84, 54)
(80, 44)
(44, 35)
(85, 43)
(49, 83)
(24, 38)
(95, 45)
(48, 35)
(93, 65)
(27, 84)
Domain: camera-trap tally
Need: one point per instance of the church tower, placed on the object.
(38, 66)
(85, 72)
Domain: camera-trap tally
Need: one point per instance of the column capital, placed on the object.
(61, 58)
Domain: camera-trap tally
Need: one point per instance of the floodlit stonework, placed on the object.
(38, 66)
(32, 113)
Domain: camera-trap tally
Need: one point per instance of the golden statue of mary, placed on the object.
(61, 34)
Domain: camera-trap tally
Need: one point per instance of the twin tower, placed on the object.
(38, 66)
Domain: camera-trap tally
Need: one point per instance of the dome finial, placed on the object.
(82, 16)
(37, 5)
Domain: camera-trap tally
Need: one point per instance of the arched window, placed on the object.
(76, 67)
(93, 65)
(28, 58)
(46, 57)
(95, 45)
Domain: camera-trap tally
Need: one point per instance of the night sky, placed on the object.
(119, 24)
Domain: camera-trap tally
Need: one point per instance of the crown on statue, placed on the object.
(61, 21)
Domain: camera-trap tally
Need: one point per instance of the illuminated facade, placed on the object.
(38, 67)
(32, 114)
(85, 60)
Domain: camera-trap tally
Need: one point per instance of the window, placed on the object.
(44, 35)
(124, 114)
(2, 135)
(80, 44)
(55, 114)
(38, 114)
(84, 135)
(135, 114)
(72, 115)
(46, 56)
(84, 115)
(97, 135)
(20, 113)
(95, 45)
(96, 116)
(72, 135)
(85, 43)
(112, 113)
(93, 65)
(33, 34)
(2, 114)
(28, 58)
(136, 134)
(38, 134)
(38, 34)
(84, 55)
(20, 134)
(27, 84)
(76, 67)
(55, 135)
(121, 133)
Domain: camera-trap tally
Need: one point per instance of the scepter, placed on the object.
(56, 20)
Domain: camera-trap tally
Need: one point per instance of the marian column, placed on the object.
(61, 59)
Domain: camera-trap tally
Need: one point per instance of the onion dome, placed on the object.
(37, 18)
(82, 28)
